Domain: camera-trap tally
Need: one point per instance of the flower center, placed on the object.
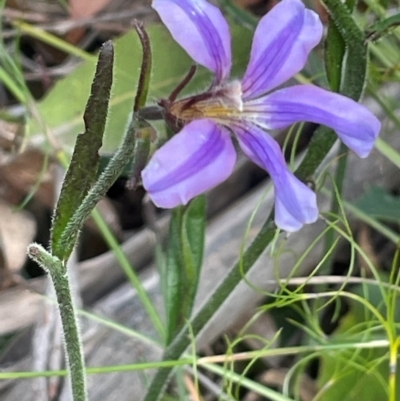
(219, 103)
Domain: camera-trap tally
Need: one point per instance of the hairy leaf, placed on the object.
(82, 171)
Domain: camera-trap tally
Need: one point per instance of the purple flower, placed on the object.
(202, 155)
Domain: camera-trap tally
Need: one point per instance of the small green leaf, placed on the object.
(82, 171)
(184, 259)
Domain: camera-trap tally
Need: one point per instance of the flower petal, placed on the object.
(295, 191)
(295, 203)
(281, 44)
(195, 160)
(201, 30)
(356, 126)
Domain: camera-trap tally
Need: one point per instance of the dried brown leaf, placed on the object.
(17, 231)
(19, 176)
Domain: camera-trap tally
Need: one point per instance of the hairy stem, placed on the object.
(73, 348)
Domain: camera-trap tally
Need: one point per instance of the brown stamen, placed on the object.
(185, 81)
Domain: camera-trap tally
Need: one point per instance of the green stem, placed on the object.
(73, 347)
(145, 70)
(183, 339)
(321, 143)
(340, 175)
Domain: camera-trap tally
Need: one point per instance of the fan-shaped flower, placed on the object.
(202, 155)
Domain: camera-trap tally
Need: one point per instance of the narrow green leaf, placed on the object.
(355, 69)
(82, 170)
(335, 50)
(184, 259)
(174, 278)
(382, 28)
(193, 231)
(192, 237)
(334, 53)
